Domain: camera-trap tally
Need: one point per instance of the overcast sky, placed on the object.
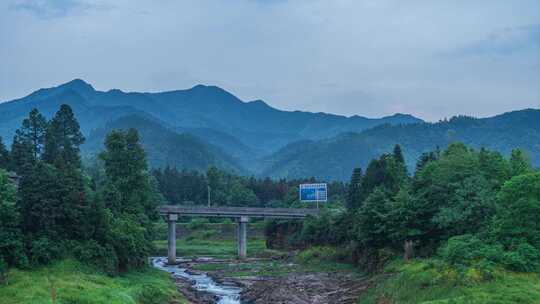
(433, 59)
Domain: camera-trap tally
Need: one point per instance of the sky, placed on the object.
(432, 59)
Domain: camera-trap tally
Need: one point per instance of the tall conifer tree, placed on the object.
(354, 198)
(4, 155)
(63, 139)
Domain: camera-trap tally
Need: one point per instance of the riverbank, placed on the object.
(420, 281)
(70, 282)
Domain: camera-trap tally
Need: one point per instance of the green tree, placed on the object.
(21, 156)
(455, 194)
(126, 170)
(11, 238)
(4, 155)
(398, 154)
(131, 196)
(384, 172)
(63, 139)
(371, 220)
(354, 198)
(33, 131)
(518, 212)
(519, 163)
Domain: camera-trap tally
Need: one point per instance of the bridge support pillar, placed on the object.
(242, 236)
(171, 220)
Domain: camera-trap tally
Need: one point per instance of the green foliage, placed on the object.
(3, 271)
(321, 230)
(63, 139)
(4, 155)
(371, 220)
(74, 282)
(130, 241)
(385, 172)
(429, 281)
(523, 257)
(93, 253)
(150, 294)
(518, 212)
(519, 163)
(44, 251)
(11, 237)
(456, 194)
(354, 198)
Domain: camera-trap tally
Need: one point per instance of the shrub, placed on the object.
(323, 254)
(90, 252)
(197, 223)
(44, 251)
(524, 258)
(468, 250)
(3, 271)
(152, 295)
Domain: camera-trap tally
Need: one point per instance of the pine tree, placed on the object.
(63, 139)
(355, 189)
(398, 154)
(519, 163)
(130, 196)
(21, 156)
(4, 155)
(126, 171)
(33, 131)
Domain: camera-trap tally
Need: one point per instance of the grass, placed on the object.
(421, 282)
(217, 248)
(70, 282)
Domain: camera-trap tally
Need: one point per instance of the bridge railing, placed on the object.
(238, 212)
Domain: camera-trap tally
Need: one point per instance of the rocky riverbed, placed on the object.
(242, 282)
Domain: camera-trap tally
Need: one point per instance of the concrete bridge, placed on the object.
(242, 215)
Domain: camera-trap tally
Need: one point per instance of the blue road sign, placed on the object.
(313, 193)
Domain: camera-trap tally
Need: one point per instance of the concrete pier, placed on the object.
(242, 236)
(242, 215)
(171, 220)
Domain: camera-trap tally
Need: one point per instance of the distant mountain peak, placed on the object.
(77, 83)
(259, 103)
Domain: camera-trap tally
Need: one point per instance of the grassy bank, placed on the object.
(69, 282)
(421, 282)
(218, 248)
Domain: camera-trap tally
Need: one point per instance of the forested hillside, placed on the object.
(335, 158)
(165, 147)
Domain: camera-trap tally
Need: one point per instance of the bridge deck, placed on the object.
(238, 212)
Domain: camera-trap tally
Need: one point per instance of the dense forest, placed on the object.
(52, 209)
(471, 209)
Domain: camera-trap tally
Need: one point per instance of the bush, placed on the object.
(44, 251)
(3, 271)
(524, 258)
(152, 295)
(469, 250)
(321, 254)
(90, 252)
(197, 223)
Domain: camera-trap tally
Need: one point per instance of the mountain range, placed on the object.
(206, 125)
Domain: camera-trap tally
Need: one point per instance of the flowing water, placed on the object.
(201, 282)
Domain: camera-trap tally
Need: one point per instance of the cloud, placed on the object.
(434, 59)
(52, 8)
(503, 42)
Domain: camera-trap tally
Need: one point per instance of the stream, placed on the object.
(201, 282)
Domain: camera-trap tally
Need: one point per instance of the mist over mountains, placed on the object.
(206, 125)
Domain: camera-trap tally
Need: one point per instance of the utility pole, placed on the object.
(208, 188)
